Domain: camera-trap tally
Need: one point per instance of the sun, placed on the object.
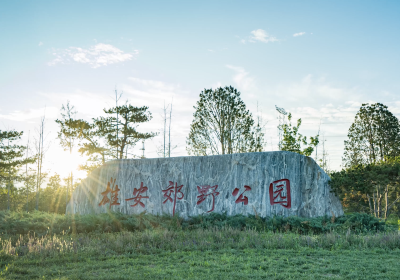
(63, 163)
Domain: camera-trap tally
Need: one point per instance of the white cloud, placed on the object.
(30, 114)
(316, 91)
(262, 36)
(155, 86)
(95, 56)
(40, 44)
(241, 78)
(299, 34)
(79, 99)
(155, 94)
(152, 92)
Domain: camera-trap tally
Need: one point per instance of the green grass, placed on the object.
(202, 254)
(209, 264)
(115, 246)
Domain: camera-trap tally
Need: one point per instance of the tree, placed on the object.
(374, 136)
(28, 190)
(375, 186)
(90, 144)
(11, 160)
(109, 137)
(258, 131)
(29, 178)
(110, 127)
(40, 154)
(165, 149)
(323, 161)
(293, 140)
(52, 197)
(169, 134)
(67, 136)
(222, 125)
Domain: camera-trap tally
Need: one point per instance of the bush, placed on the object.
(43, 223)
(355, 222)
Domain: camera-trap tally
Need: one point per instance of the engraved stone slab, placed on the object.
(267, 183)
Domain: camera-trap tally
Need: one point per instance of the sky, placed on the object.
(319, 60)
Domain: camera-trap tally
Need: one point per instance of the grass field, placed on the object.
(202, 254)
(209, 264)
(40, 245)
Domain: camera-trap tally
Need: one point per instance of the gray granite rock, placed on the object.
(267, 183)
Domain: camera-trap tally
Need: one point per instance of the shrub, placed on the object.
(42, 223)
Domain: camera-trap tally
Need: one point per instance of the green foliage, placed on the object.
(374, 136)
(357, 222)
(223, 125)
(42, 223)
(91, 143)
(364, 185)
(109, 137)
(66, 134)
(293, 140)
(52, 197)
(119, 127)
(11, 156)
(11, 160)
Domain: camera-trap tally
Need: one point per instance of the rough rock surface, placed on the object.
(235, 184)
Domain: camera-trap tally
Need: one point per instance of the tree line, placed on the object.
(370, 179)
(221, 124)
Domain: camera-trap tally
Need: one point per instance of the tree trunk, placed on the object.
(40, 162)
(379, 201)
(8, 196)
(393, 203)
(27, 198)
(26, 180)
(124, 139)
(371, 144)
(165, 125)
(386, 202)
(38, 180)
(370, 205)
(169, 132)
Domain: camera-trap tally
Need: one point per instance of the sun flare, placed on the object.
(65, 163)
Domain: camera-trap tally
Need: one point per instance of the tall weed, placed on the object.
(164, 240)
(42, 223)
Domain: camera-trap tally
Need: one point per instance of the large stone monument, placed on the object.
(267, 183)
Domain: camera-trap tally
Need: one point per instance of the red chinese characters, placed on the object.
(241, 197)
(174, 191)
(113, 190)
(137, 193)
(279, 193)
(205, 191)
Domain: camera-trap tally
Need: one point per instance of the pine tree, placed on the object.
(11, 160)
(109, 137)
